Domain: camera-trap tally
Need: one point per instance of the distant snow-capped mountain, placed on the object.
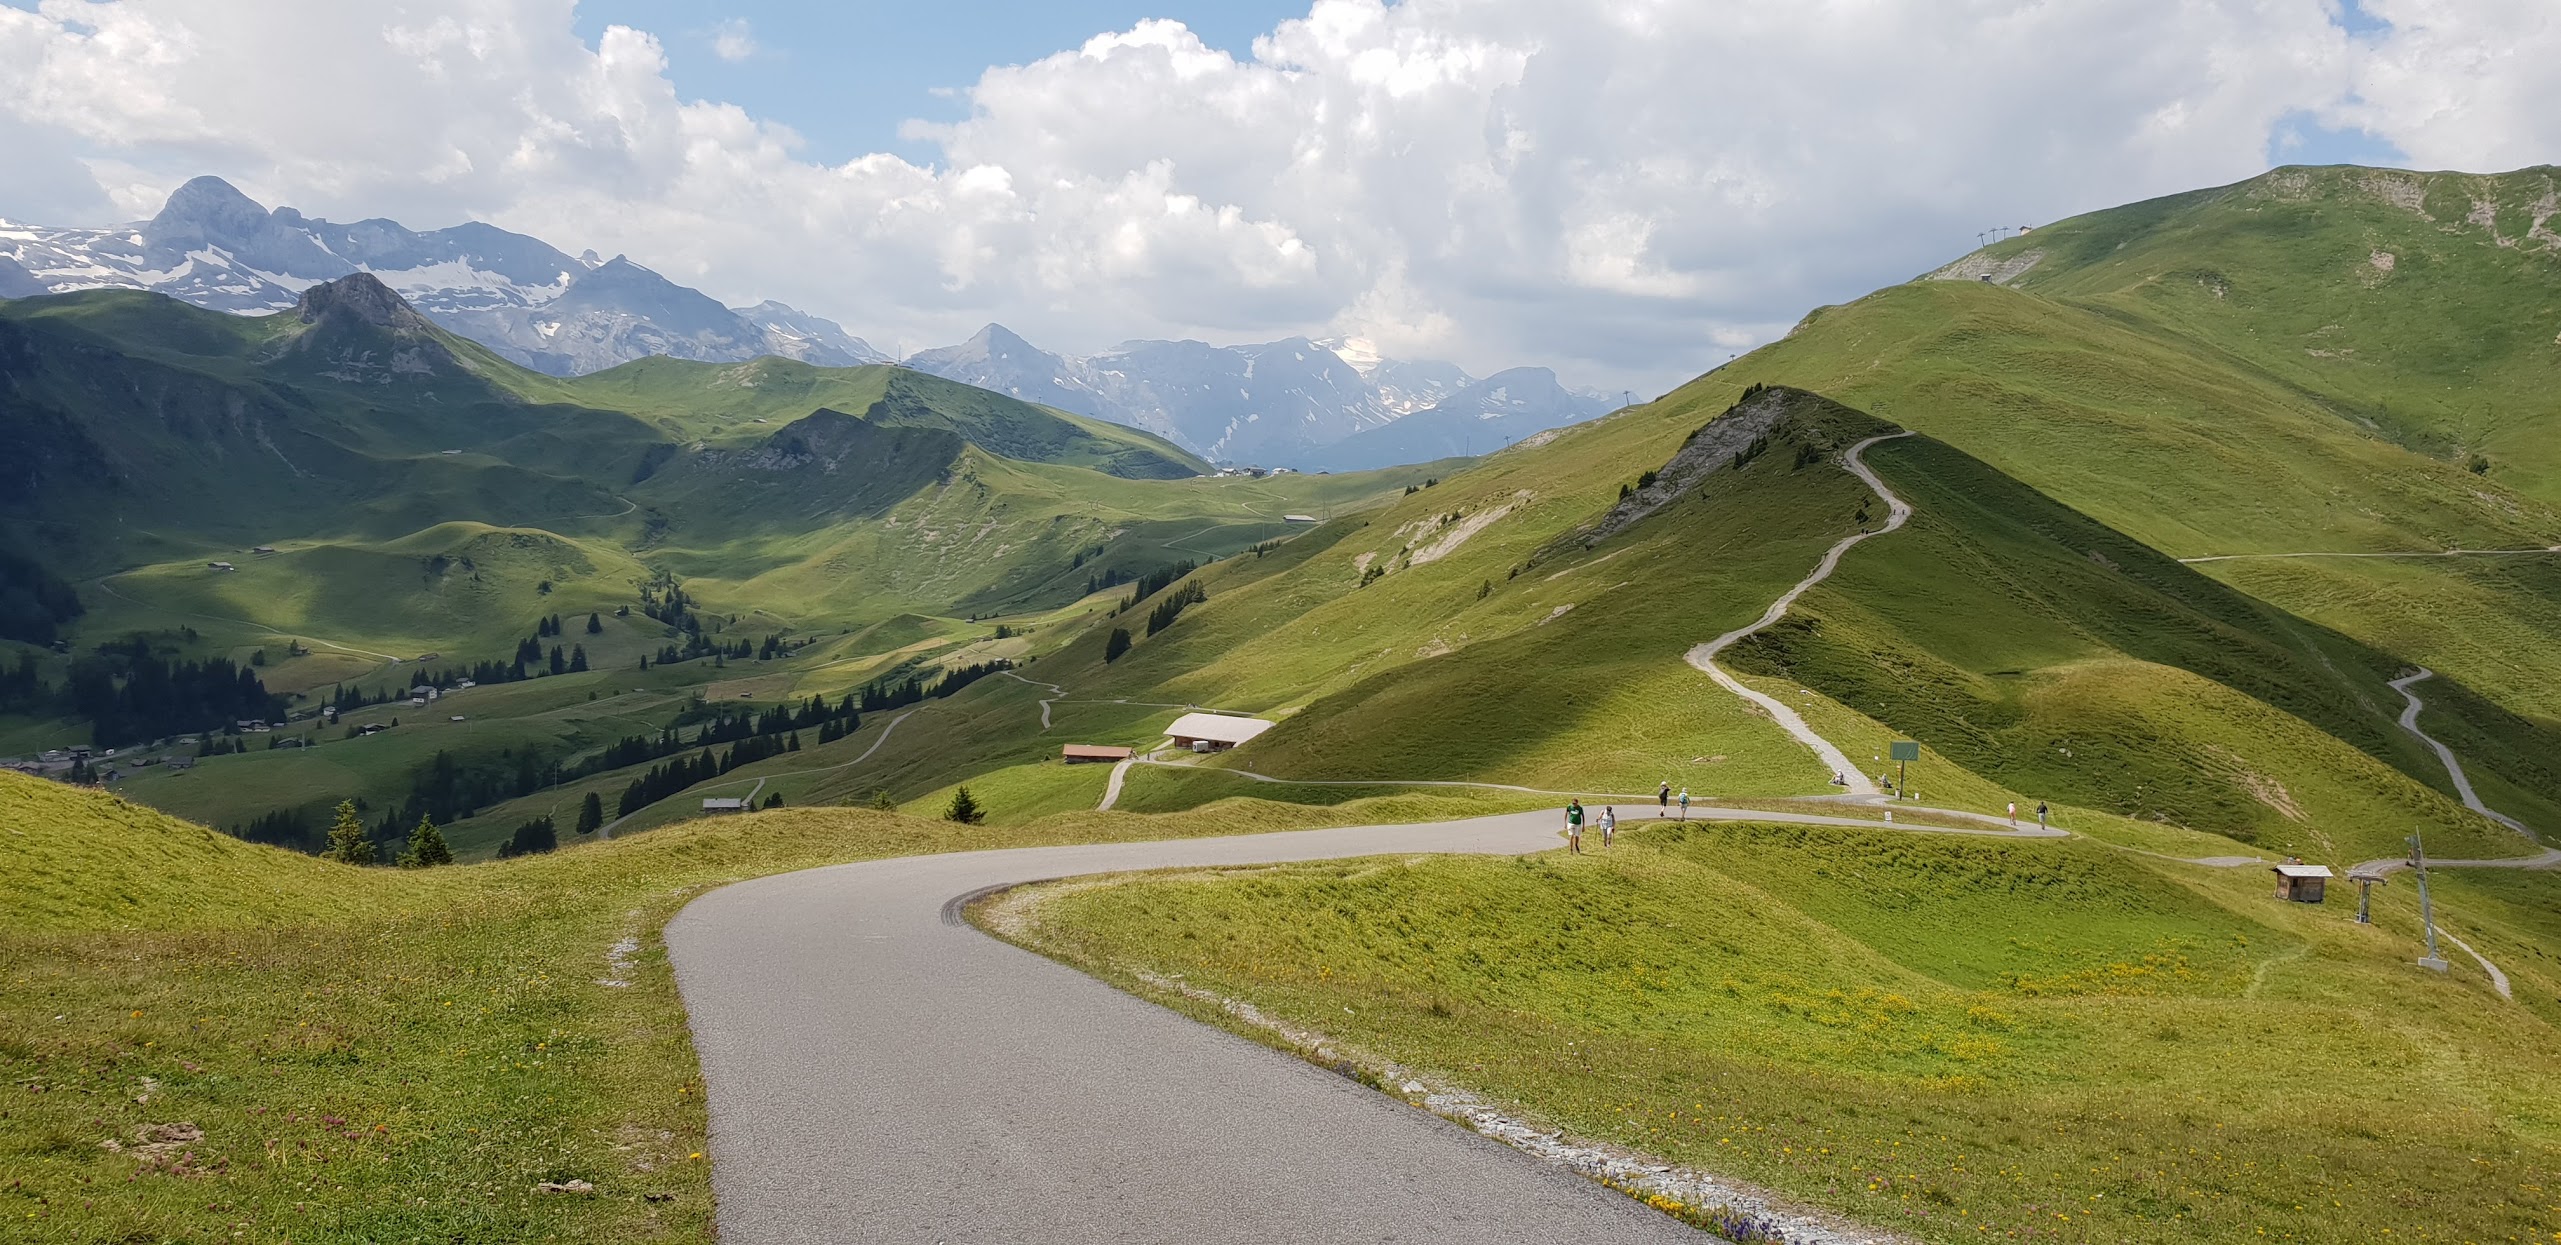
(215, 247)
(1293, 402)
(1479, 419)
(1335, 404)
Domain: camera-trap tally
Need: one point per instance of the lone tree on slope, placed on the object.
(426, 847)
(591, 813)
(964, 809)
(347, 842)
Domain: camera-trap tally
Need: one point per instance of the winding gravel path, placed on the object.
(877, 1070)
(2411, 705)
(2414, 553)
(1704, 656)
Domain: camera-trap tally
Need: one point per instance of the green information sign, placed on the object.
(1904, 750)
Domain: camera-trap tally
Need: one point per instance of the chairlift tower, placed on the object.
(2427, 915)
(2365, 884)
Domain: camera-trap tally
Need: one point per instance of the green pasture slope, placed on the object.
(420, 496)
(373, 1054)
(1957, 1038)
(2315, 360)
(2040, 653)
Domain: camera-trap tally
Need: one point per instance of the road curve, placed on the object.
(1704, 656)
(877, 1070)
(2411, 705)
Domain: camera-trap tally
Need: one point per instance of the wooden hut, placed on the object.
(2301, 883)
(1083, 754)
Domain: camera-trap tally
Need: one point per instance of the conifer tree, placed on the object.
(591, 814)
(964, 808)
(882, 800)
(347, 842)
(1117, 644)
(595, 625)
(426, 847)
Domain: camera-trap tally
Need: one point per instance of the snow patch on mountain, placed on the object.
(521, 297)
(1260, 402)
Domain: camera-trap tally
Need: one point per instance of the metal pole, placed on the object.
(2427, 915)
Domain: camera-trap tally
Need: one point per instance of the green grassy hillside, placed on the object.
(379, 489)
(345, 1054)
(1953, 1038)
(2316, 360)
(82, 861)
(744, 401)
(2414, 305)
(2043, 655)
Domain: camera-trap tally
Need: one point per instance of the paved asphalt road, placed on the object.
(879, 1071)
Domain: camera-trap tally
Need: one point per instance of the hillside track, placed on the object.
(103, 586)
(2413, 553)
(877, 1070)
(1898, 511)
(2548, 858)
(1993, 826)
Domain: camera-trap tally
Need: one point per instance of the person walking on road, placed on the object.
(1609, 824)
(2014, 814)
(1663, 801)
(1685, 804)
(2040, 814)
(1574, 826)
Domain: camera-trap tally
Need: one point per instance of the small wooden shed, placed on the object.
(1081, 754)
(2301, 883)
(728, 805)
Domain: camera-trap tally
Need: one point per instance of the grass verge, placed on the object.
(1960, 1038)
(285, 1049)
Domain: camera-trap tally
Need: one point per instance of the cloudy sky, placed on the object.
(1628, 191)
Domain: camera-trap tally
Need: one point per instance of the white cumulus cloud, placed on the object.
(733, 41)
(1625, 189)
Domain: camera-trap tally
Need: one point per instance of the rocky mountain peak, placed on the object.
(208, 208)
(362, 298)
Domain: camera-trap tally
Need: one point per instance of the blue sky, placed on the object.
(845, 74)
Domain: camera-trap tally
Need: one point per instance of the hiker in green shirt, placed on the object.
(1574, 826)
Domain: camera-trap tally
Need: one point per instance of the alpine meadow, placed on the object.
(505, 747)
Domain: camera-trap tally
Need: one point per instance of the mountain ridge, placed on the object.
(215, 247)
(1295, 402)
(1273, 403)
